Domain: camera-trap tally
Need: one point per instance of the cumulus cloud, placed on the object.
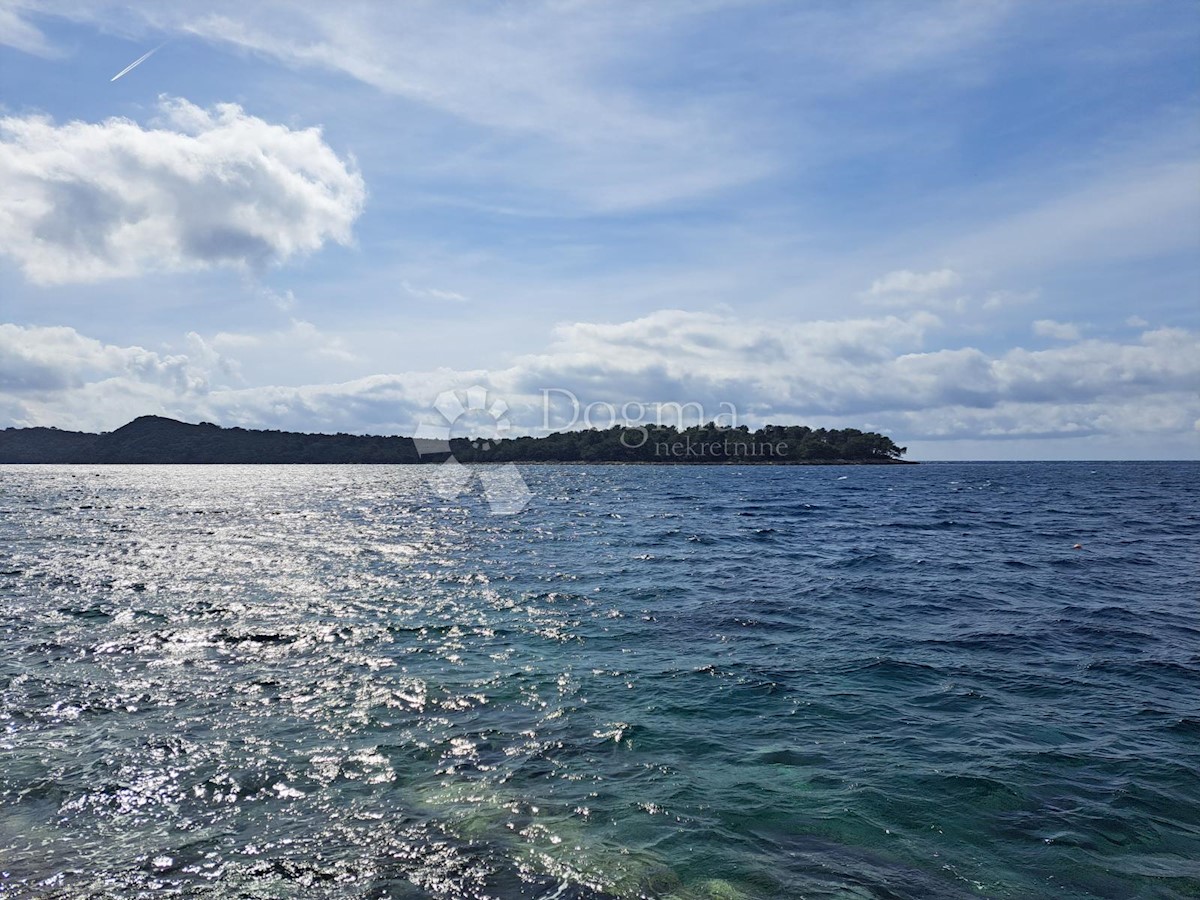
(870, 373)
(37, 360)
(57, 376)
(1059, 331)
(82, 201)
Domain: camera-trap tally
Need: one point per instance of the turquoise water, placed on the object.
(709, 682)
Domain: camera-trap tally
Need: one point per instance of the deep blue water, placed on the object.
(708, 682)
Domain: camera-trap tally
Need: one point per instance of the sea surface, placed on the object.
(655, 681)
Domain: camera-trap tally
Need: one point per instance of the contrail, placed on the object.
(137, 62)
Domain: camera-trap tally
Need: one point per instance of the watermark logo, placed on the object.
(562, 409)
(691, 449)
(504, 488)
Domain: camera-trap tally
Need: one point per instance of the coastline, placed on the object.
(155, 440)
(489, 462)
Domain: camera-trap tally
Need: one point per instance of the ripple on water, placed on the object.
(695, 682)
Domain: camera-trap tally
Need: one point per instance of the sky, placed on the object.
(973, 226)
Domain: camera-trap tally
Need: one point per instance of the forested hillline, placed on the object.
(778, 444)
(154, 439)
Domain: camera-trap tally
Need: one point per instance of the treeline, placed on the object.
(153, 439)
(708, 443)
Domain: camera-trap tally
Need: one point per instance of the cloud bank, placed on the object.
(82, 202)
(870, 372)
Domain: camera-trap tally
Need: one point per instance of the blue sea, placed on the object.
(655, 681)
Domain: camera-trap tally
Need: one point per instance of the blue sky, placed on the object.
(971, 225)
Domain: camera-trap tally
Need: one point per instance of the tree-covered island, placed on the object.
(154, 439)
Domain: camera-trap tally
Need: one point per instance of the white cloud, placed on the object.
(1166, 413)
(57, 376)
(906, 289)
(1137, 322)
(37, 360)
(81, 201)
(904, 281)
(1059, 331)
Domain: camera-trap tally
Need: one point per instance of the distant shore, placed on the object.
(155, 440)
(709, 462)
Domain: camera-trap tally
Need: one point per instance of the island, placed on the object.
(159, 440)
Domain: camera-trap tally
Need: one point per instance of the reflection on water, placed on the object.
(657, 681)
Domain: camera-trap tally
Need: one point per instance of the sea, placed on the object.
(944, 680)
